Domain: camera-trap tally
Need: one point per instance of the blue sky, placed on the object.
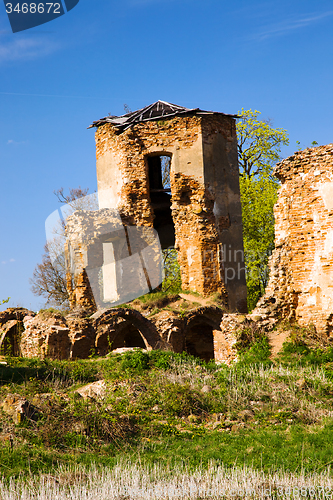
(56, 79)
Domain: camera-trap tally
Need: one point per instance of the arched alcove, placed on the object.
(199, 340)
(198, 331)
(127, 335)
(9, 338)
(125, 328)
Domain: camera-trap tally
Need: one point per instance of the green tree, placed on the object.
(258, 196)
(259, 148)
(259, 144)
(172, 281)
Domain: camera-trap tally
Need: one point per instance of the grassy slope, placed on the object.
(166, 408)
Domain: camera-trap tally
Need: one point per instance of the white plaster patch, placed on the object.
(311, 300)
(328, 245)
(315, 217)
(280, 236)
(190, 253)
(326, 192)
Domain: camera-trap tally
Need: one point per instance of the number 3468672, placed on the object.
(33, 8)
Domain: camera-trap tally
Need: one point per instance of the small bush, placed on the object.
(259, 352)
(137, 361)
(179, 400)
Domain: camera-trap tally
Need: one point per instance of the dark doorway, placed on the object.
(128, 336)
(160, 197)
(199, 340)
(9, 340)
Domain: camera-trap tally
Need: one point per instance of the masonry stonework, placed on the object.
(200, 213)
(301, 267)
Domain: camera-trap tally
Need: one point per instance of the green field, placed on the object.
(172, 411)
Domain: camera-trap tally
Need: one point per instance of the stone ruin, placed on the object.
(198, 212)
(76, 336)
(300, 286)
(109, 251)
(204, 193)
(301, 267)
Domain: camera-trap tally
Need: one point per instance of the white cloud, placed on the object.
(289, 25)
(11, 141)
(25, 48)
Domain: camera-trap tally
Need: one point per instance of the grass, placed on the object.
(135, 481)
(169, 410)
(155, 300)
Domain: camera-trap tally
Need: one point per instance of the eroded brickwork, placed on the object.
(197, 240)
(126, 172)
(204, 203)
(301, 267)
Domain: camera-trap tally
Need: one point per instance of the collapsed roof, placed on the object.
(155, 111)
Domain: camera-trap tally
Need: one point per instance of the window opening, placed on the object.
(160, 197)
(159, 173)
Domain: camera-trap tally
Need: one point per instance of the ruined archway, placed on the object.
(10, 338)
(198, 332)
(127, 335)
(125, 328)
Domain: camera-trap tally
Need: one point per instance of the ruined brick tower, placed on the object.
(199, 211)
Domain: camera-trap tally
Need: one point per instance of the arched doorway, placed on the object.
(199, 340)
(127, 335)
(198, 331)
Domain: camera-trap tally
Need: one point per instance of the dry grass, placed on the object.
(303, 387)
(133, 482)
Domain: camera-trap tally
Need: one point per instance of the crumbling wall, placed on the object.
(11, 328)
(205, 199)
(51, 335)
(197, 239)
(122, 175)
(45, 337)
(301, 267)
(117, 328)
